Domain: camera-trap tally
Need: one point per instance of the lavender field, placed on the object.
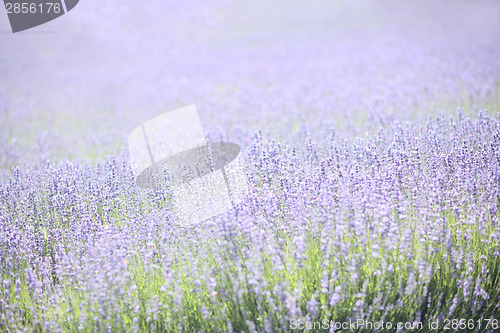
(371, 137)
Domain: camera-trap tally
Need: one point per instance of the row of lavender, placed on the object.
(354, 212)
(290, 91)
(402, 226)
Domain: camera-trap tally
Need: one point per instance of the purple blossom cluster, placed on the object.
(372, 155)
(405, 221)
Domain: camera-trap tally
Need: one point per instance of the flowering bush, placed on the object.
(375, 192)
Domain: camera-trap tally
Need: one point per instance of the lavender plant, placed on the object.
(400, 226)
(374, 169)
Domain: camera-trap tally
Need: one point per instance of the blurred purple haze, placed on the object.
(90, 76)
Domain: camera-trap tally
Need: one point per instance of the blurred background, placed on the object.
(75, 87)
